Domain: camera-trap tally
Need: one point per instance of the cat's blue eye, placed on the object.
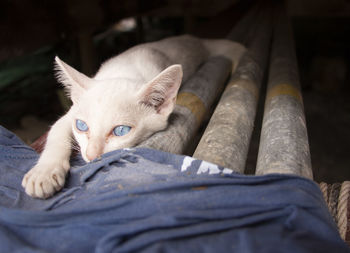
(121, 130)
(81, 125)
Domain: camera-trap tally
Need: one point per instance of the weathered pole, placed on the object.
(284, 146)
(227, 137)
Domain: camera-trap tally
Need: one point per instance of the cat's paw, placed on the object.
(43, 180)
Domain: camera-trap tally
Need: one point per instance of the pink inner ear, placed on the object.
(153, 97)
(167, 104)
(161, 92)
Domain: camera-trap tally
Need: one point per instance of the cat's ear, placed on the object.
(161, 92)
(75, 83)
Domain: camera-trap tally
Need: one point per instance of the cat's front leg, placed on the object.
(49, 174)
(45, 178)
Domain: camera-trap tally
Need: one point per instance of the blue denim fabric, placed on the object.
(143, 200)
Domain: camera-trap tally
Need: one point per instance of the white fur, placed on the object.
(137, 88)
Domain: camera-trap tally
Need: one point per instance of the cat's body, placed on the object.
(185, 50)
(129, 99)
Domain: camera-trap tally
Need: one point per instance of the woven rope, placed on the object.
(333, 197)
(324, 190)
(331, 194)
(337, 197)
(343, 213)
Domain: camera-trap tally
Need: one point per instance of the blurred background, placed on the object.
(84, 33)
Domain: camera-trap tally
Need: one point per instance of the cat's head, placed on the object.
(117, 113)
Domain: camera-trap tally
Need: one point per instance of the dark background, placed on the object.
(85, 33)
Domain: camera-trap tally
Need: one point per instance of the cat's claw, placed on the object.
(43, 181)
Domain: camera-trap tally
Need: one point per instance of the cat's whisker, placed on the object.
(74, 144)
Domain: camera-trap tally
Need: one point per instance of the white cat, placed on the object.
(129, 99)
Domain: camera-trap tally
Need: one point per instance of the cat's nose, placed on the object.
(94, 150)
(92, 157)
